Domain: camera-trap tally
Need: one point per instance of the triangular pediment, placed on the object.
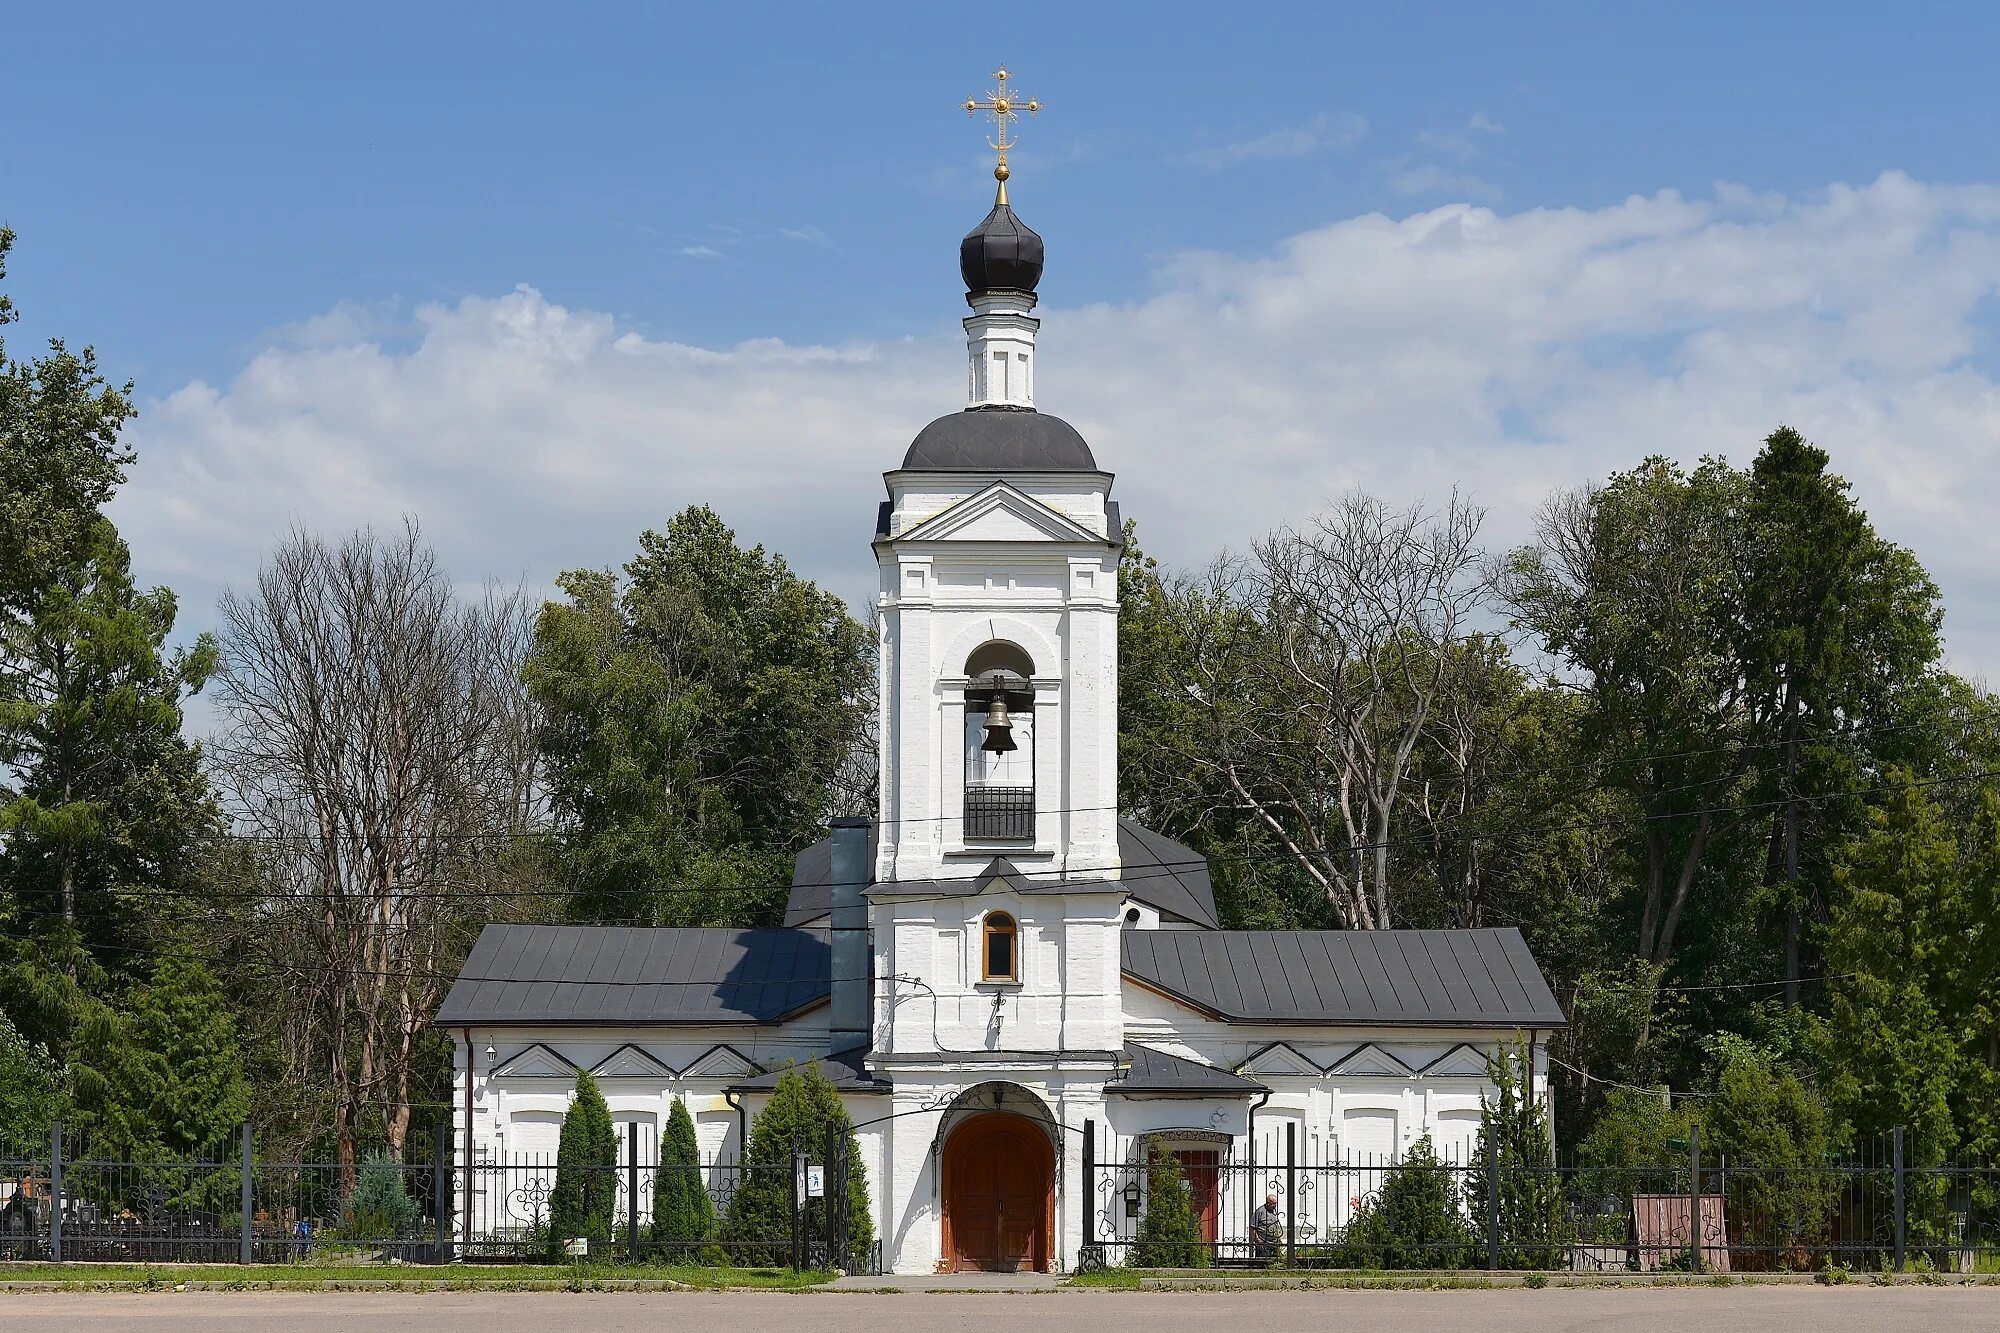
(1279, 1060)
(1370, 1060)
(628, 1061)
(536, 1061)
(1461, 1061)
(722, 1062)
(999, 514)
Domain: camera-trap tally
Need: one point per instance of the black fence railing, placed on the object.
(1316, 1207)
(61, 1202)
(999, 812)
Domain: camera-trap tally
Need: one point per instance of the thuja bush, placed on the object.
(1514, 1139)
(1169, 1235)
(586, 1189)
(683, 1216)
(1416, 1220)
(759, 1226)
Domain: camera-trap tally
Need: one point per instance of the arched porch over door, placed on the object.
(999, 1195)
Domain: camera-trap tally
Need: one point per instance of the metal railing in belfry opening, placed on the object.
(999, 812)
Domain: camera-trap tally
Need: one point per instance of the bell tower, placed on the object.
(997, 604)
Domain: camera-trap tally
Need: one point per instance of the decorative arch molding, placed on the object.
(630, 1061)
(1039, 647)
(1370, 1061)
(1281, 1060)
(536, 1061)
(1462, 1061)
(996, 1095)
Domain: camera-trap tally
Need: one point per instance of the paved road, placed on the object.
(1672, 1310)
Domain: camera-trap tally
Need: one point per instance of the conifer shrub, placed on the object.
(1535, 1227)
(1169, 1235)
(1416, 1220)
(585, 1196)
(378, 1208)
(683, 1216)
(759, 1226)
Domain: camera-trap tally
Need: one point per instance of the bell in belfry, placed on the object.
(999, 727)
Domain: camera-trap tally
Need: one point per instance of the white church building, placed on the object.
(1012, 988)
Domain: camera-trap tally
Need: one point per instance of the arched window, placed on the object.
(999, 949)
(999, 773)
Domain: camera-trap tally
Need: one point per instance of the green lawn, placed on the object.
(414, 1275)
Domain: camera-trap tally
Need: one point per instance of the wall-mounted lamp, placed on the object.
(490, 1053)
(1132, 1197)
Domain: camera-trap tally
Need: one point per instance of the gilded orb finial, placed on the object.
(1005, 108)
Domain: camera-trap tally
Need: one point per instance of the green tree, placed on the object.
(163, 1076)
(585, 1196)
(759, 1226)
(102, 802)
(1516, 1138)
(378, 1208)
(1416, 1220)
(31, 1091)
(683, 1215)
(1169, 1234)
(700, 717)
(1762, 1116)
(1837, 627)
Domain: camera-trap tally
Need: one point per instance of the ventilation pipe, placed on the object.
(849, 876)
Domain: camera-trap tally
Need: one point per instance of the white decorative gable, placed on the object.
(1000, 513)
(1370, 1060)
(1461, 1061)
(722, 1062)
(537, 1061)
(1279, 1060)
(628, 1061)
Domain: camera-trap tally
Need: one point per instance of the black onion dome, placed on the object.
(1000, 254)
(999, 439)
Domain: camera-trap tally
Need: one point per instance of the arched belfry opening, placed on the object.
(999, 744)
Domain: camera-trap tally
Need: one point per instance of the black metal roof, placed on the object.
(619, 974)
(845, 1071)
(544, 975)
(1439, 978)
(1155, 870)
(1159, 1073)
(999, 439)
(1002, 253)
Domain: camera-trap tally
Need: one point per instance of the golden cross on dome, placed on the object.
(1005, 108)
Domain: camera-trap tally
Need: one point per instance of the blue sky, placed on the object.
(1312, 246)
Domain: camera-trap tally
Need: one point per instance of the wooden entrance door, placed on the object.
(1203, 1171)
(999, 1195)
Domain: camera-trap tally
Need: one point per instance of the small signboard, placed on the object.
(815, 1182)
(577, 1247)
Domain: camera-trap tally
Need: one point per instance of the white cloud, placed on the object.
(1484, 124)
(699, 252)
(1507, 354)
(1428, 178)
(1325, 131)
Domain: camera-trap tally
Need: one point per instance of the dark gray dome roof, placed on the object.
(999, 439)
(1001, 253)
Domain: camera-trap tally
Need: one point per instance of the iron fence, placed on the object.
(1315, 1205)
(61, 1201)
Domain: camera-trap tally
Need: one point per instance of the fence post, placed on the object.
(1291, 1193)
(632, 1192)
(246, 1254)
(441, 1209)
(830, 1179)
(1492, 1199)
(1090, 1189)
(1694, 1197)
(1897, 1162)
(798, 1173)
(55, 1191)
